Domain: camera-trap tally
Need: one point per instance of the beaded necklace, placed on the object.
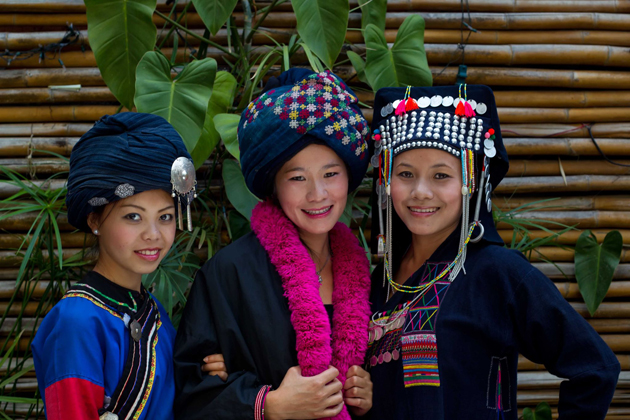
(135, 305)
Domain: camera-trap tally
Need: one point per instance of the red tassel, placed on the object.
(468, 110)
(461, 109)
(400, 109)
(411, 105)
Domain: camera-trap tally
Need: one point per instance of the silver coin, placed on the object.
(490, 152)
(390, 108)
(456, 102)
(424, 102)
(472, 103)
(489, 205)
(396, 103)
(375, 161)
(488, 144)
(384, 111)
(447, 101)
(436, 101)
(481, 108)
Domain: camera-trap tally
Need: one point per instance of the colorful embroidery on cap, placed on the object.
(317, 98)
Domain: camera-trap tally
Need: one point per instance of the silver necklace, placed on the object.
(319, 272)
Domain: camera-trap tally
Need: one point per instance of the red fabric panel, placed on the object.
(73, 398)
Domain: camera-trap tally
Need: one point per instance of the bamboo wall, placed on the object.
(557, 67)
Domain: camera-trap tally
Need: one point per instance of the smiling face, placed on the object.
(312, 189)
(426, 192)
(135, 233)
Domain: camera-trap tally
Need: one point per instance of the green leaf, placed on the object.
(359, 65)
(406, 62)
(595, 265)
(182, 101)
(220, 101)
(226, 125)
(239, 225)
(542, 412)
(373, 11)
(214, 13)
(322, 24)
(238, 194)
(120, 33)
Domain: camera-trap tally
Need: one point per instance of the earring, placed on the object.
(95, 231)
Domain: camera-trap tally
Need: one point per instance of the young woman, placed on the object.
(287, 304)
(105, 350)
(452, 307)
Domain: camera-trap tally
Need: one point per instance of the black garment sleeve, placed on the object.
(549, 331)
(209, 325)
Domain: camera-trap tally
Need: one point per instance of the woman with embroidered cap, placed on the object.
(452, 307)
(286, 304)
(105, 350)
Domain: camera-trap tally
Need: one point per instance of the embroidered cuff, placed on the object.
(259, 405)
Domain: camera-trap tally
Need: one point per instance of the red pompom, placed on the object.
(411, 105)
(461, 109)
(491, 131)
(377, 137)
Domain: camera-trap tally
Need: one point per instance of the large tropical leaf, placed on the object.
(595, 265)
(322, 24)
(182, 101)
(373, 11)
(214, 13)
(220, 101)
(359, 65)
(227, 125)
(236, 189)
(542, 412)
(406, 62)
(120, 33)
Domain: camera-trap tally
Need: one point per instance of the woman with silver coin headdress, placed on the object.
(105, 350)
(452, 307)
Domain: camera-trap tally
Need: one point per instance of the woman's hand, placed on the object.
(300, 397)
(215, 366)
(358, 387)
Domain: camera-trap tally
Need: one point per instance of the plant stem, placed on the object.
(264, 12)
(194, 35)
(172, 28)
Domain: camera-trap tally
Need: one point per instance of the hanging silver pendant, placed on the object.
(183, 181)
(108, 416)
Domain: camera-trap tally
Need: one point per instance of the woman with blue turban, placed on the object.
(286, 304)
(105, 350)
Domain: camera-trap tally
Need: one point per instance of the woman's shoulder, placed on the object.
(239, 252)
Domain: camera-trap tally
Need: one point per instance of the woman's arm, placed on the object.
(549, 331)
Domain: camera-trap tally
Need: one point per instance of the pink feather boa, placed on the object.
(351, 290)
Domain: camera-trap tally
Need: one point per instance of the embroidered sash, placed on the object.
(132, 392)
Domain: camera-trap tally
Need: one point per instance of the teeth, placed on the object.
(431, 210)
(315, 212)
(148, 252)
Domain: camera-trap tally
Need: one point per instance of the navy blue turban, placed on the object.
(122, 155)
(299, 108)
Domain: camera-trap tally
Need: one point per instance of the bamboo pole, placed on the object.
(22, 78)
(562, 98)
(64, 6)
(557, 254)
(7, 190)
(44, 130)
(19, 146)
(599, 202)
(525, 77)
(607, 130)
(583, 219)
(617, 289)
(55, 113)
(562, 115)
(607, 310)
(564, 146)
(570, 167)
(567, 238)
(563, 271)
(557, 184)
(526, 364)
(38, 166)
(42, 95)
(68, 240)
